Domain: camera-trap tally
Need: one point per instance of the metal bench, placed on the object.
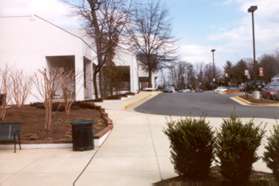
(10, 132)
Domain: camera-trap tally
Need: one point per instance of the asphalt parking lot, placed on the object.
(206, 104)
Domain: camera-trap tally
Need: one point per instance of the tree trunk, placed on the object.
(102, 91)
(149, 78)
(3, 112)
(95, 85)
(48, 115)
(49, 123)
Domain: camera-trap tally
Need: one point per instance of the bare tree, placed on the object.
(20, 87)
(106, 22)
(151, 36)
(270, 65)
(45, 83)
(4, 91)
(199, 73)
(183, 75)
(191, 77)
(66, 80)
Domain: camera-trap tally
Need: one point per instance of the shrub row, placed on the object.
(194, 147)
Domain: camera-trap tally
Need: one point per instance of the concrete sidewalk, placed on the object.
(57, 167)
(136, 153)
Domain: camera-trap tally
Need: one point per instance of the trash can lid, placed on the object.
(82, 122)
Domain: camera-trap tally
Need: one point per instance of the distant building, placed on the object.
(143, 78)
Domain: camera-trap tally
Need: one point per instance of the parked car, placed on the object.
(169, 89)
(271, 91)
(220, 90)
(242, 87)
(184, 90)
(198, 90)
(275, 78)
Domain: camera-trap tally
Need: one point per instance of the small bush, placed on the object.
(236, 149)
(192, 143)
(271, 155)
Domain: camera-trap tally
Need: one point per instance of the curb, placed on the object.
(97, 142)
(245, 102)
(241, 101)
(139, 100)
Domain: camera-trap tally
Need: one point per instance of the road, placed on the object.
(206, 104)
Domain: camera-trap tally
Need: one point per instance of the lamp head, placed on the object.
(213, 50)
(252, 9)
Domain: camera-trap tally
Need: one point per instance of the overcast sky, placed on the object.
(199, 25)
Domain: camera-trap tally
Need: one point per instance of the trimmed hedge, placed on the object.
(192, 143)
(237, 143)
(271, 155)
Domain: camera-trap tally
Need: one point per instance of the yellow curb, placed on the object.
(245, 102)
(140, 99)
(241, 101)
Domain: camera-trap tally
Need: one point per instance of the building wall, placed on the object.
(144, 73)
(126, 58)
(26, 41)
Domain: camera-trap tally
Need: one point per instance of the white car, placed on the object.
(220, 90)
(186, 90)
(169, 89)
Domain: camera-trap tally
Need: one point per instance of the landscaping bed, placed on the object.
(258, 101)
(257, 179)
(32, 118)
(232, 91)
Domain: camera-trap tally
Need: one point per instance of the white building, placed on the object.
(31, 43)
(143, 78)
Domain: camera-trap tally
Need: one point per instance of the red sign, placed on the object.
(261, 72)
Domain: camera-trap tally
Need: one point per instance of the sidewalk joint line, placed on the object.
(90, 161)
(154, 149)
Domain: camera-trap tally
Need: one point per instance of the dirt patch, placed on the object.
(259, 101)
(32, 119)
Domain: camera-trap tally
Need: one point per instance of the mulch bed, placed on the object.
(256, 179)
(32, 118)
(232, 91)
(259, 101)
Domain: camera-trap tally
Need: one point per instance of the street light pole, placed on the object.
(213, 62)
(252, 10)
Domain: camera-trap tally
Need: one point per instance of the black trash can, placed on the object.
(82, 135)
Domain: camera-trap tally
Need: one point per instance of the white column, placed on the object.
(89, 69)
(134, 79)
(79, 85)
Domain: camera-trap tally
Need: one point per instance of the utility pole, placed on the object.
(213, 64)
(252, 10)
